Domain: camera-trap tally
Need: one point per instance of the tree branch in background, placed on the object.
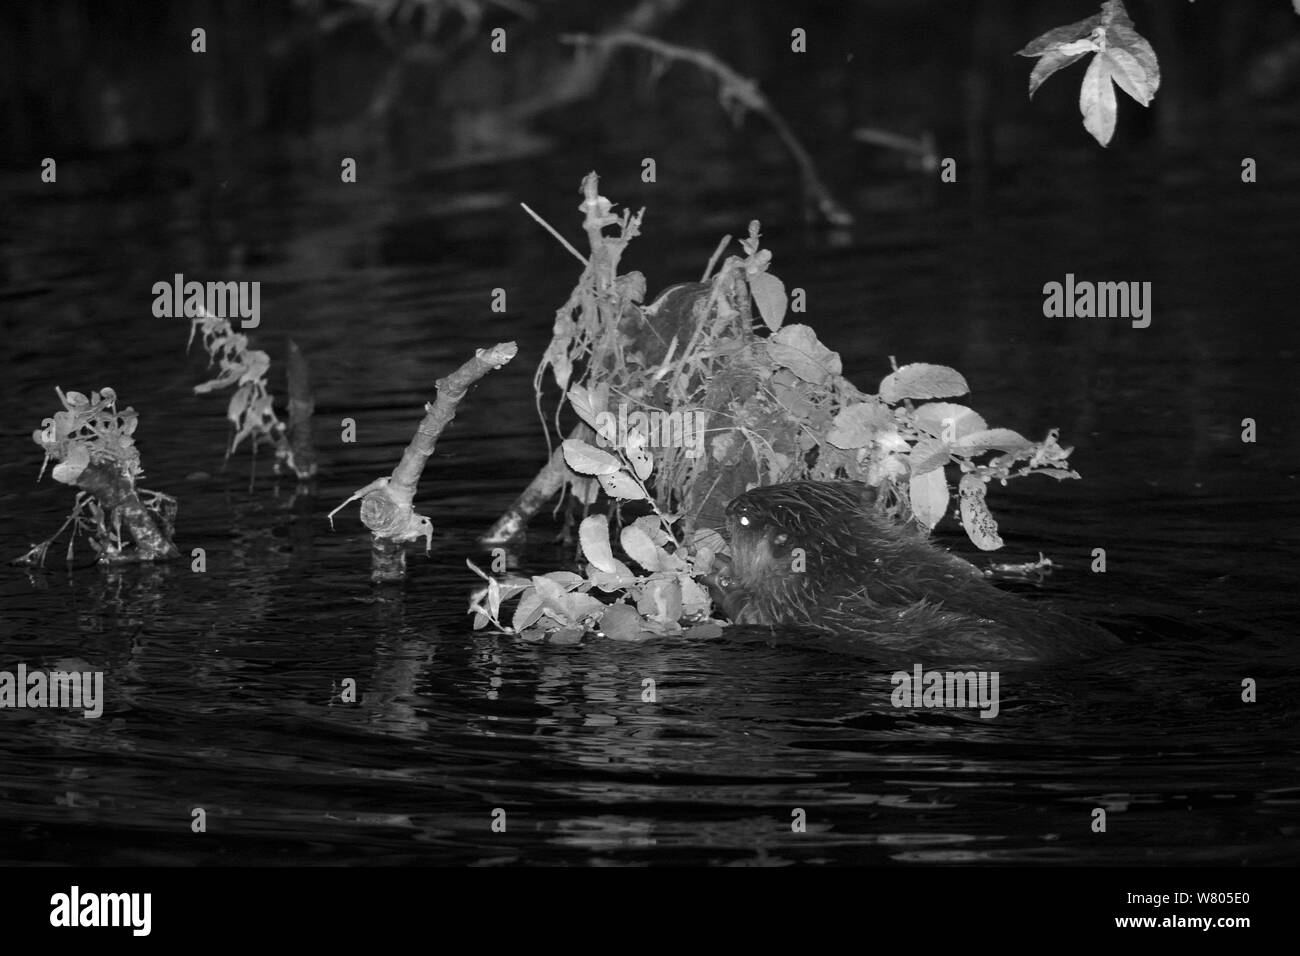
(735, 91)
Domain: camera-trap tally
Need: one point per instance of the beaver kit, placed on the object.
(822, 557)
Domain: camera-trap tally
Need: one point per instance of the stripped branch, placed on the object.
(387, 504)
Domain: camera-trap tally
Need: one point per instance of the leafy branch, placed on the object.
(1121, 57)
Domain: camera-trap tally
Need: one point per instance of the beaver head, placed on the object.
(798, 527)
(803, 549)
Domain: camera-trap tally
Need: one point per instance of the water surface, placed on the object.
(223, 687)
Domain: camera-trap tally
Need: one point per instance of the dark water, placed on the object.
(222, 688)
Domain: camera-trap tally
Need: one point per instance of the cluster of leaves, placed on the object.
(89, 429)
(1122, 57)
(93, 431)
(893, 441)
(251, 410)
(595, 344)
(781, 404)
(663, 599)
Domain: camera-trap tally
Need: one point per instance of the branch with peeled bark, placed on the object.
(387, 504)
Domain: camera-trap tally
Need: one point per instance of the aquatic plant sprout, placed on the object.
(91, 442)
(251, 409)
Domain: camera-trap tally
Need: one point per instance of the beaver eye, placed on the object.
(744, 522)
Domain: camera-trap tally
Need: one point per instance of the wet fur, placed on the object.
(870, 577)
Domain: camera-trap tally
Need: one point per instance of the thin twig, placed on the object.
(713, 260)
(734, 89)
(549, 228)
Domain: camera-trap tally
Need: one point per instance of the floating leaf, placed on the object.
(706, 630)
(929, 493)
(621, 622)
(661, 600)
(769, 295)
(796, 347)
(588, 460)
(567, 635)
(922, 380)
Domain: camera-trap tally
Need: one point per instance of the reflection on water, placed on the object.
(224, 689)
